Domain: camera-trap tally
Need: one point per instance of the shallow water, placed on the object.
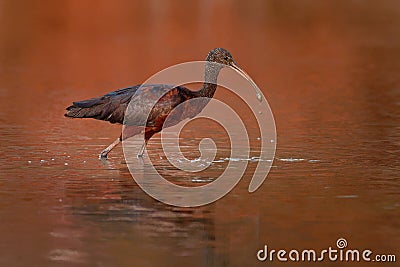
(329, 71)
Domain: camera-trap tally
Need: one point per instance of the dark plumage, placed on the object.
(112, 106)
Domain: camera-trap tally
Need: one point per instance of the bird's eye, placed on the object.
(226, 58)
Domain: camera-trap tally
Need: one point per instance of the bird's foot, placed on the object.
(103, 154)
(140, 156)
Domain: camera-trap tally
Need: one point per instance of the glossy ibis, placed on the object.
(112, 106)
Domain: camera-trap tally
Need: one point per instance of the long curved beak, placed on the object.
(247, 77)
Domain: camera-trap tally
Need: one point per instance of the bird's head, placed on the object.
(222, 56)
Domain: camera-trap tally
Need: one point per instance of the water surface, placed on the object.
(328, 69)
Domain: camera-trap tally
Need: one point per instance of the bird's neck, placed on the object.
(210, 81)
(208, 90)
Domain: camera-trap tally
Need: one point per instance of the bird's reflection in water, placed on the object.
(119, 212)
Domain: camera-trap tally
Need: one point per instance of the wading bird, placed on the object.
(112, 106)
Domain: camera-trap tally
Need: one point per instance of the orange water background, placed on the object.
(329, 69)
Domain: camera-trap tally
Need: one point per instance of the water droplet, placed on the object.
(260, 112)
(259, 97)
(272, 140)
(42, 161)
(66, 164)
(29, 161)
(258, 138)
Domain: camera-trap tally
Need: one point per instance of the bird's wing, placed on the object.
(109, 107)
(140, 98)
(151, 105)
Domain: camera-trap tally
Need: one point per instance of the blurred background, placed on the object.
(329, 70)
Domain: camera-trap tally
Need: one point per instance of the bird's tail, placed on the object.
(91, 108)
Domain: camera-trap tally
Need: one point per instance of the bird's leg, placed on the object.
(104, 153)
(149, 132)
(141, 151)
